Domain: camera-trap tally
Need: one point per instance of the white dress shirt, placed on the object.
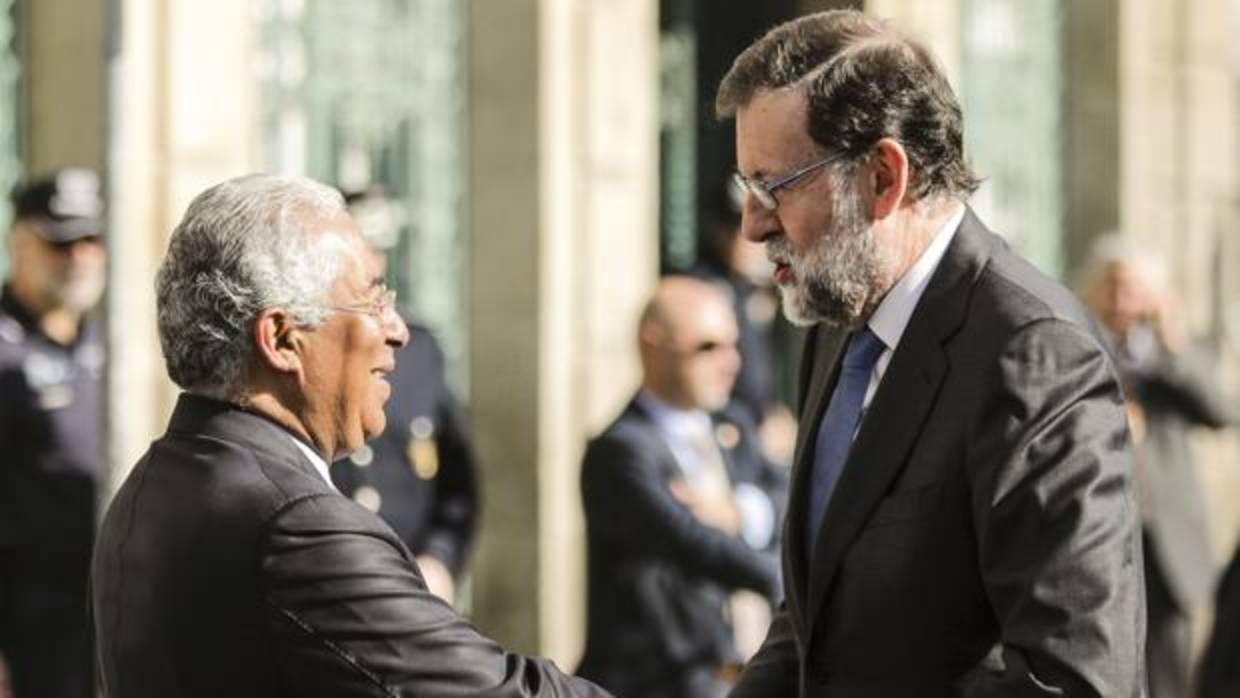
(892, 315)
(679, 429)
(316, 460)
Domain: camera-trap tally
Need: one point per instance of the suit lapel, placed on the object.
(897, 413)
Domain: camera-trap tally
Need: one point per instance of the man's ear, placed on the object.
(651, 334)
(278, 341)
(887, 178)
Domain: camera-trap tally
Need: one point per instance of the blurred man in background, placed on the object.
(740, 266)
(51, 361)
(681, 509)
(1172, 387)
(420, 474)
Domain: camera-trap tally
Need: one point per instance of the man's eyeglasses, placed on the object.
(379, 307)
(765, 193)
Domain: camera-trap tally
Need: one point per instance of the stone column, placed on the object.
(562, 213)
(1178, 181)
(63, 84)
(1090, 115)
(181, 116)
(935, 24)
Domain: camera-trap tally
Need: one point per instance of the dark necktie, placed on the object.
(839, 425)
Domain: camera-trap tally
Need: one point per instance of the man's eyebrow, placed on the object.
(377, 282)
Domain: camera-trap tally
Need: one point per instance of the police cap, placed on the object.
(63, 206)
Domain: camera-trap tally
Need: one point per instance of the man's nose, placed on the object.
(397, 330)
(757, 223)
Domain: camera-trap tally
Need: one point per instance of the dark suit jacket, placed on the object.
(657, 577)
(432, 504)
(226, 566)
(1220, 671)
(984, 538)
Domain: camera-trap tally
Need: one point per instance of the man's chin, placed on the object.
(801, 312)
(374, 426)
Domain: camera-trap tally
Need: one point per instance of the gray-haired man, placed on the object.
(228, 564)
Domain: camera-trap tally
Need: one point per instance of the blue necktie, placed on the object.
(839, 425)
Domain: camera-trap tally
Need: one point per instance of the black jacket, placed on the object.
(226, 566)
(658, 578)
(984, 537)
(50, 424)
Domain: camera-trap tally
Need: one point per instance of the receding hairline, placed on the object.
(661, 310)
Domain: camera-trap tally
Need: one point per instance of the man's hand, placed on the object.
(717, 512)
(1164, 314)
(438, 579)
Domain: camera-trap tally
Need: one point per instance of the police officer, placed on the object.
(51, 360)
(420, 474)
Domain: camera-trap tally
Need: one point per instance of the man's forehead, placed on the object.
(702, 310)
(771, 128)
(336, 235)
(340, 236)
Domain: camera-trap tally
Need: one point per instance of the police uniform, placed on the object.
(49, 438)
(50, 401)
(419, 475)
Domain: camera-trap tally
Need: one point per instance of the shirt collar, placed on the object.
(892, 315)
(677, 423)
(316, 460)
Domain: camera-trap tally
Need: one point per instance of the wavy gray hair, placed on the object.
(242, 247)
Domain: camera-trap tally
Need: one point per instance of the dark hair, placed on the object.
(863, 82)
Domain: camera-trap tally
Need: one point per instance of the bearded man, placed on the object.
(962, 519)
(51, 369)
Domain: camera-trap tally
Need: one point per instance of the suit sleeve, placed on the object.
(455, 509)
(627, 503)
(773, 670)
(1058, 531)
(350, 616)
(1187, 385)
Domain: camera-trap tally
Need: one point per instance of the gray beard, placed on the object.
(78, 295)
(839, 279)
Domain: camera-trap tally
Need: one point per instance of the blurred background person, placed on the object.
(420, 475)
(681, 509)
(741, 268)
(51, 359)
(1171, 387)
